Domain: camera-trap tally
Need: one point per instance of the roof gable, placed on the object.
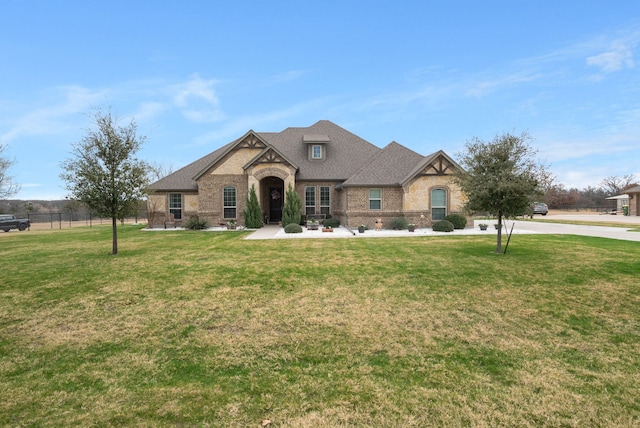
(387, 168)
(270, 155)
(250, 140)
(438, 163)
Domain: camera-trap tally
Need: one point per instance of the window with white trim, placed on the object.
(316, 151)
(229, 198)
(325, 200)
(438, 204)
(375, 199)
(310, 200)
(175, 205)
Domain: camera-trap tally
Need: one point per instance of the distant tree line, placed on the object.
(558, 196)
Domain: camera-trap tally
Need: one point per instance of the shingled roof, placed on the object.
(349, 159)
(388, 168)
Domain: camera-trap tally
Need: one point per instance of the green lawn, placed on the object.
(206, 329)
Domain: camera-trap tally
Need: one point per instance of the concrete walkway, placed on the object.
(266, 232)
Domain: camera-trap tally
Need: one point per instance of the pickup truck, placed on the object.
(8, 222)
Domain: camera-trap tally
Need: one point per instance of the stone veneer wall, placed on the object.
(412, 202)
(634, 204)
(357, 201)
(210, 197)
(158, 206)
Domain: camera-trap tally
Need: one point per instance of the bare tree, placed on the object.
(157, 171)
(614, 185)
(8, 187)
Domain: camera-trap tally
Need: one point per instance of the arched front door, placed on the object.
(273, 199)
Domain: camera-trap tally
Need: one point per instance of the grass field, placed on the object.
(206, 329)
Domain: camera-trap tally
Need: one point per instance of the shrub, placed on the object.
(293, 228)
(398, 223)
(458, 220)
(292, 205)
(253, 214)
(442, 226)
(195, 223)
(331, 222)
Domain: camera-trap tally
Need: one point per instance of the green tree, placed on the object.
(104, 173)
(8, 187)
(501, 177)
(252, 214)
(292, 206)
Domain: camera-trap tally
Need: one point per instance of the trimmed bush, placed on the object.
(442, 226)
(194, 223)
(398, 223)
(331, 222)
(458, 220)
(293, 228)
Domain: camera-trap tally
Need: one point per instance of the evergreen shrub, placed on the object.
(458, 220)
(292, 206)
(253, 214)
(195, 223)
(443, 226)
(293, 228)
(398, 223)
(331, 222)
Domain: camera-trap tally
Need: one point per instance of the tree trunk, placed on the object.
(114, 228)
(499, 239)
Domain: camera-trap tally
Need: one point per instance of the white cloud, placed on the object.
(484, 86)
(196, 88)
(619, 57)
(55, 118)
(198, 100)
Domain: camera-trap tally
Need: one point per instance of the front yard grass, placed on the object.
(205, 329)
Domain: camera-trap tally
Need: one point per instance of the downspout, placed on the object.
(346, 207)
(346, 212)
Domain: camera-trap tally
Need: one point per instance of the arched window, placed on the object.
(229, 203)
(438, 204)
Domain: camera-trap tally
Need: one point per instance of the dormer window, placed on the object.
(317, 146)
(316, 151)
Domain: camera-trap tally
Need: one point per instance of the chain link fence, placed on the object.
(66, 220)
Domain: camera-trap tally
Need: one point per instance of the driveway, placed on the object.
(543, 226)
(521, 227)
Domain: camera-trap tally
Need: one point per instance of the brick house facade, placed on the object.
(333, 171)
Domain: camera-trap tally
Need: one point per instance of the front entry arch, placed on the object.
(272, 191)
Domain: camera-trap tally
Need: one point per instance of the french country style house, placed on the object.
(334, 172)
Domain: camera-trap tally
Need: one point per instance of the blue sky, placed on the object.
(428, 74)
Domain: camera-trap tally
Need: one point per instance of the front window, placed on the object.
(375, 199)
(310, 200)
(175, 205)
(325, 200)
(438, 204)
(316, 151)
(229, 201)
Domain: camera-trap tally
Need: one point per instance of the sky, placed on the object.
(430, 75)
